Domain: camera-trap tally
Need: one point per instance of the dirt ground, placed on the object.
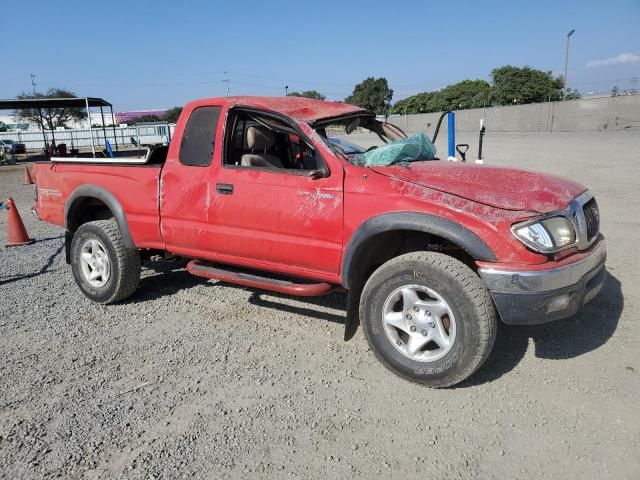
(197, 378)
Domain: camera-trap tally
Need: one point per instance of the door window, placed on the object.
(266, 143)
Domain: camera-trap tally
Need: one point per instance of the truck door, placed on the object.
(277, 202)
(258, 203)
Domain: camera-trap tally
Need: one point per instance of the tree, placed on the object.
(308, 94)
(615, 91)
(418, 103)
(172, 114)
(372, 94)
(511, 85)
(524, 85)
(52, 117)
(465, 94)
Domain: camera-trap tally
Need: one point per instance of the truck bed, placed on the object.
(154, 155)
(135, 187)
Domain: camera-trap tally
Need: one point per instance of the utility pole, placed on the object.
(226, 80)
(33, 84)
(566, 65)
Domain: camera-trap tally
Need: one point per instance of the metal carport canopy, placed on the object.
(82, 102)
(74, 102)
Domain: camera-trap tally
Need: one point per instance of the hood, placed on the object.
(499, 187)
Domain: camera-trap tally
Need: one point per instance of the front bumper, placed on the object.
(529, 297)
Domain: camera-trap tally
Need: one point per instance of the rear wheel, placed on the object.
(104, 269)
(428, 318)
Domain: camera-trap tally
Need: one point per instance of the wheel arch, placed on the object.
(454, 232)
(357, 259)
(74, 214)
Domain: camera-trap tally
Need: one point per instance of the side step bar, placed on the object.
(240, 277)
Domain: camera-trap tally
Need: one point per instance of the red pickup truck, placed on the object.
(268, 193)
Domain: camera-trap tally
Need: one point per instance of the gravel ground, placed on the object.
(197, 378)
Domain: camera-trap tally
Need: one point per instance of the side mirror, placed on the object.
(317, 174)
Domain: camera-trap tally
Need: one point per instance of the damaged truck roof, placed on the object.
(299, 108)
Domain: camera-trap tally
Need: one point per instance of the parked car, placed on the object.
(253, 192)
(11, 147)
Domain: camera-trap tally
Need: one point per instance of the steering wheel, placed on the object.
(371, 148)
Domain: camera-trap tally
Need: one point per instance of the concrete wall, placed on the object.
(597, 114)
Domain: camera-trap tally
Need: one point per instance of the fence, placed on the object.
(81, 138)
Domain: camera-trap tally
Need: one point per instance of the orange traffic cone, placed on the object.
(27, 177)
(17, 233)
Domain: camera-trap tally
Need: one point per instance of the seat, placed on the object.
(259, 139)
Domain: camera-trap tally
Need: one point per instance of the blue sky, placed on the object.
(144, 55)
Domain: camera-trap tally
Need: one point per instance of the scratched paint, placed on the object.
(455, 203)
(499, 187)
(375, 194)
(316, 204)
(299, 108)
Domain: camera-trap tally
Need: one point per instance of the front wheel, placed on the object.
(104, 269)
(428, 318)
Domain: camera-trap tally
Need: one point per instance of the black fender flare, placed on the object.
(419, 222)
(105, 196)
(456, 233)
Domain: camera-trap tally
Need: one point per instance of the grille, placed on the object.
(592, 218)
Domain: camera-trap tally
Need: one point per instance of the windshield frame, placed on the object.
(368, 121)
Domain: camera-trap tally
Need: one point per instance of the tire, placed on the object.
(428, 297)
(116, 268)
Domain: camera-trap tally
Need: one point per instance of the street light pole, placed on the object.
(566, 65)
(286, 90)
(226, 81)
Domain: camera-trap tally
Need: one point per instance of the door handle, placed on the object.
(224, 188)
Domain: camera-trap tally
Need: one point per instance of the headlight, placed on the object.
(548, 235)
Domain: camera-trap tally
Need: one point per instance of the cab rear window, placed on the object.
(199, 137)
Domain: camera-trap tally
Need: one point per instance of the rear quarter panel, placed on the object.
(135, 188)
